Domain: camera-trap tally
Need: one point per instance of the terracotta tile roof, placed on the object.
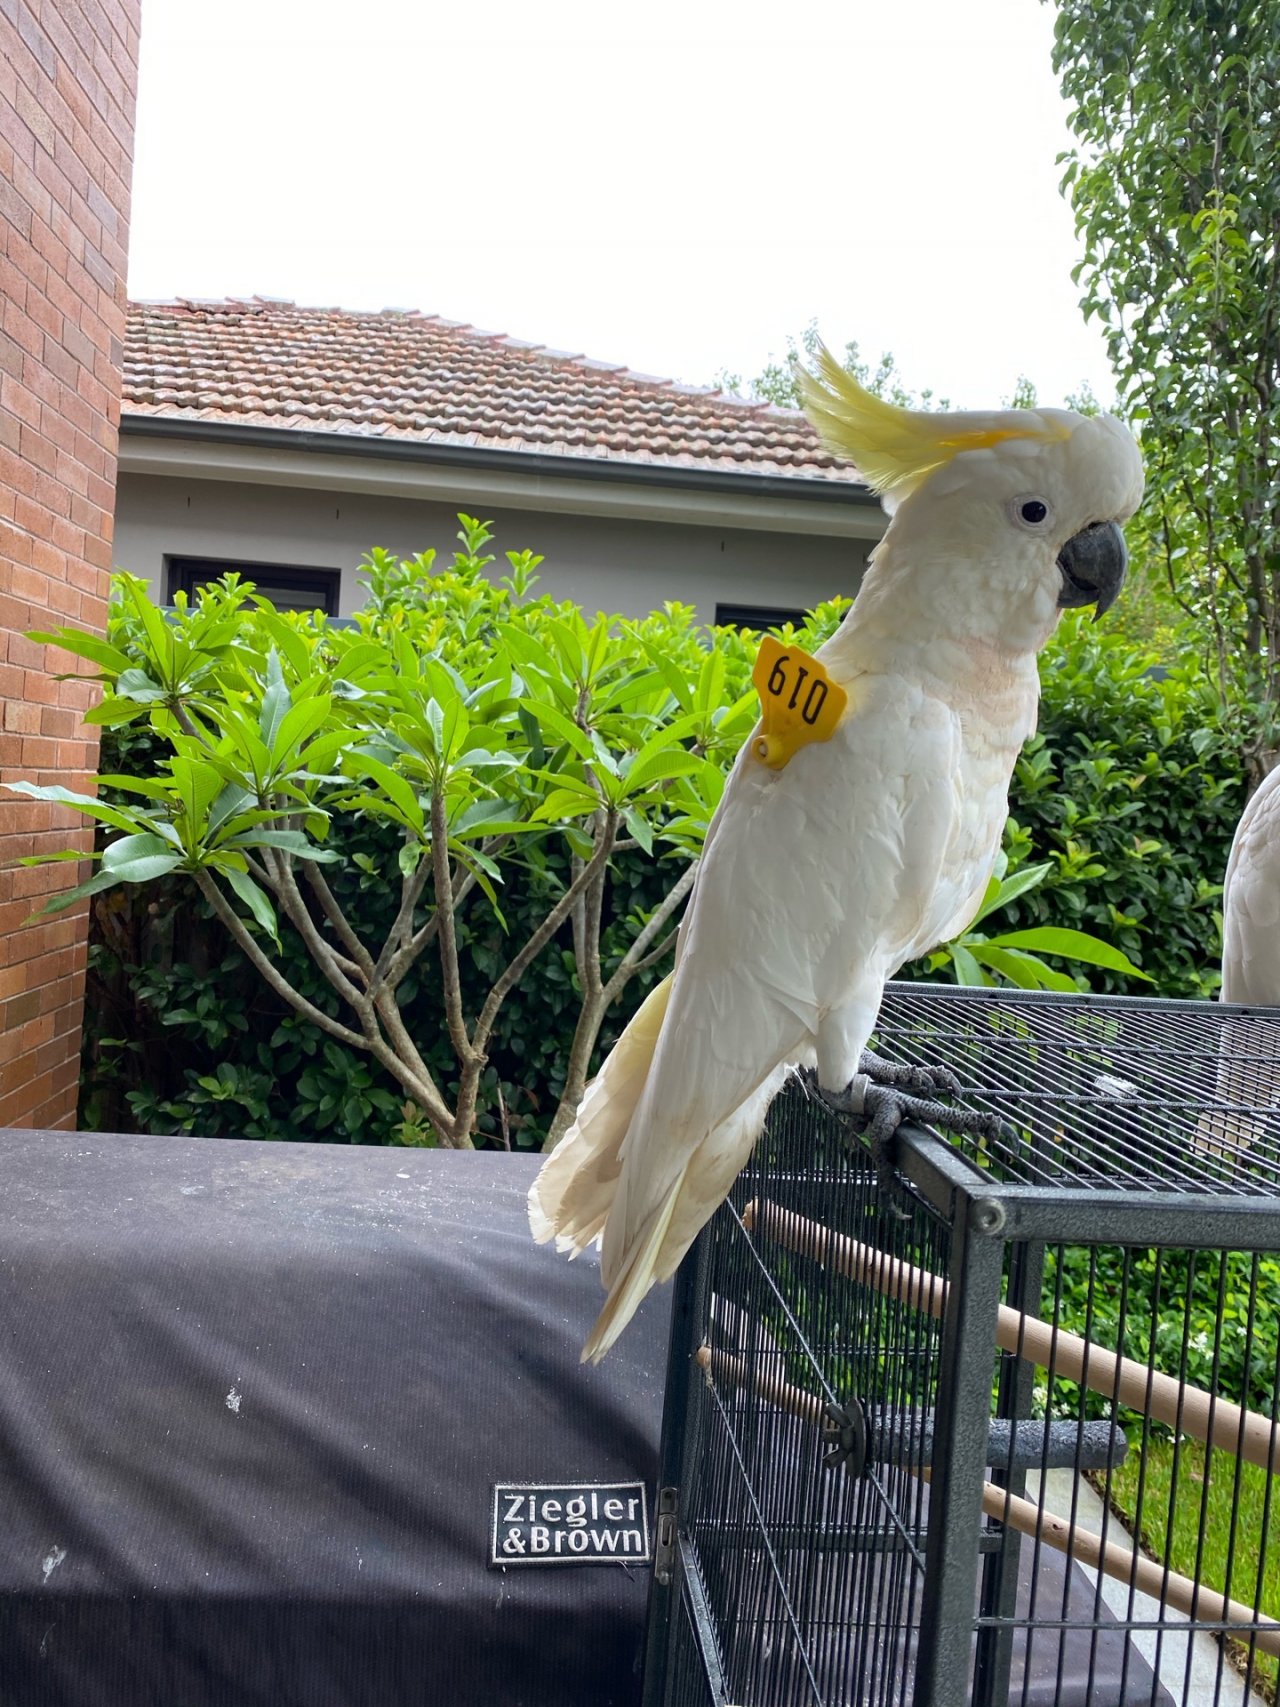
(404, 375)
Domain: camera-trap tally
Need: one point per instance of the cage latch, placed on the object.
(844, 1434)
(666, 1535)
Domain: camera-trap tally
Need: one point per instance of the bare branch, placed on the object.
(429, 1097)
(446, 934)
(401, 1066)
(319, 884)
(410, 894)
(578, 915)
(260, 874)
(515, 970)
(336, 968)
(404, 958)
(592, 911)
(463, 883)
(659, 954)
(269, 972)
(631, 961)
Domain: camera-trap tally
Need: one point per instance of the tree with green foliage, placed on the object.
(1176, 111)
(776, 383)
(480, 727)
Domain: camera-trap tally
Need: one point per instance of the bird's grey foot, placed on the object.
(877, 1110)
(903, 1076)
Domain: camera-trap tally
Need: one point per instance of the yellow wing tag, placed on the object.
(799, 702)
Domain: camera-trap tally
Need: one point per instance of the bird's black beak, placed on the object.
(1092, 565)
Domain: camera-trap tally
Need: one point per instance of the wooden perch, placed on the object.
(1131, 1568)
(1185, 1408)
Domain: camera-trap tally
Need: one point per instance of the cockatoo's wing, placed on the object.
(1251, 902)
(1248, 1059)
(820, 879)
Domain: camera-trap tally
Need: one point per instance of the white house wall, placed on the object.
(610, 563)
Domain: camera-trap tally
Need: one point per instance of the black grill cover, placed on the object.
(253, 1400)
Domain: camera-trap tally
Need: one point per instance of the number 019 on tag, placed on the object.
(799, 702)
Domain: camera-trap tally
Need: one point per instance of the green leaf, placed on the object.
(1070, 945)
(1021, 969)
(325, 748)
(661, 766)
(137, 685)
(109, 658)
(485, 818)
(152, 787)
(639, 828)
(669, 735)
(62, 854)
(120, 816)
(109, 713)
(254, 899)
(532, 732)
(69, 897)
(999, 894)
(289, 841)
(565, 803)
(288, 641)
(199, 780)
(229, 804)
(300, 722)
(677, 685)
(399, 792)
(275, 703)
(154, 626)
(966, 967)
(435, 722)
(711, 682)
(487, 758)
(565, 728)
(139, 858)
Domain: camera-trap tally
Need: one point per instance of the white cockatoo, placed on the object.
(1248, 1050)
(1251, 902)
(828, 866)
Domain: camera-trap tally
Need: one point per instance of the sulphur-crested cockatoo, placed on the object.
(1251, 902)
(1248, 1053)
(826, 868)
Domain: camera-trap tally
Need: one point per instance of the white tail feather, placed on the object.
(636, 1278)
(574, 1190)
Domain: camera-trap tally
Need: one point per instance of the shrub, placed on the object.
(1132, 788)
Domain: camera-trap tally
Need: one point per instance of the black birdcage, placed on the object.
(998, 1428)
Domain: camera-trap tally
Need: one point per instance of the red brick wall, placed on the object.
(67, 85)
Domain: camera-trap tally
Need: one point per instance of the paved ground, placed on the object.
(1191, 1667)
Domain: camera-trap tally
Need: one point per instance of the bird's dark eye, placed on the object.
(1033, 511)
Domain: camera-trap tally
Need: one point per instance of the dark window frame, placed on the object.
(183, 574)
(759, 618)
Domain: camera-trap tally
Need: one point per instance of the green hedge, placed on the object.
(1130, 789)
(1133, 790)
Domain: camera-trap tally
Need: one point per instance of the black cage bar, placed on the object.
(1001, 1432)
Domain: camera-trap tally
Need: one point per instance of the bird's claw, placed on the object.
(878, 1109)
(908, 1076)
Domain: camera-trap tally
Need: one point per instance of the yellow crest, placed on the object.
(896, 448)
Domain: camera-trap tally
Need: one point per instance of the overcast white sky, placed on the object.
(676, 185)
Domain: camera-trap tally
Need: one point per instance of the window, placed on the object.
(287, 588)
(758, 617)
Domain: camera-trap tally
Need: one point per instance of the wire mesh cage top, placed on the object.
(1104, 1093)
